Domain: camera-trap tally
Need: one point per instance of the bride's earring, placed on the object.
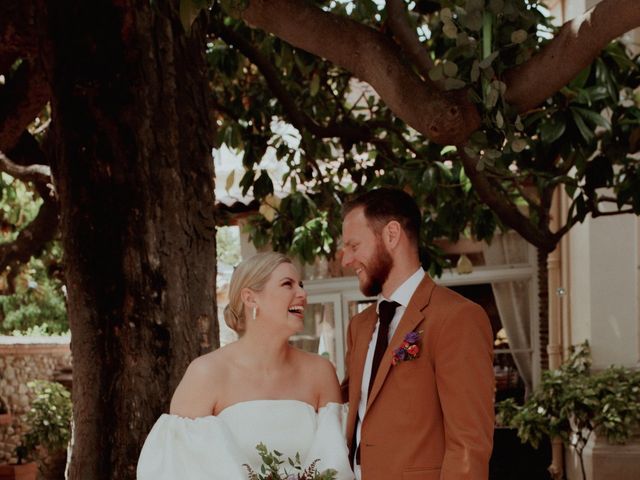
(253, 313)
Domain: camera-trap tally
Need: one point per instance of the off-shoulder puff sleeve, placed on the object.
(190, 449)
(329, 444)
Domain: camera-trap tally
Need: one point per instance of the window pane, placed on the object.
(319, 334)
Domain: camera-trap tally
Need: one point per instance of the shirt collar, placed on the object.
(404, 292)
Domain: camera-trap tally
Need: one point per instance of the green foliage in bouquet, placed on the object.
(271, 468)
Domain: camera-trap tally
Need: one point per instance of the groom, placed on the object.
(419, 361)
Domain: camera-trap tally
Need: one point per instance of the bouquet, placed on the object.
(272, 461)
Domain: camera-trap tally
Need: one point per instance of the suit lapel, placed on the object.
(413, 315)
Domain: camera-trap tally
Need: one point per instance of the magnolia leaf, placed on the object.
(473, 21)
(496, 6)
(488, 73)
(479, 138)
(492, 97)
(518, 145)
(446, 14)
(462, 39)
(519, 36)
(436, 73)
(247, 181)
(518, 123)
(189, 11)
(450, 30)
(304, 68)
(315, 84)
(499, 119)
(450, 69)
(492, 154)
(230, 179)
(473, 5)
(475, 71)
(453, 84)
(465, 181)
(488, 60)
(585, 131)
(594, 117)
(471, 152)
(501, 87)
(552, 130)
(448, 149)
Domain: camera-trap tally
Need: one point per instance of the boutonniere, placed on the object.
(409, 350)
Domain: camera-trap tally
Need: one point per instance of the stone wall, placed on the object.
(23, 359)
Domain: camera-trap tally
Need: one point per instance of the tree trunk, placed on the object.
(134, 174)
(543, 299)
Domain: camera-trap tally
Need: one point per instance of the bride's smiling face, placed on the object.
(283, 298)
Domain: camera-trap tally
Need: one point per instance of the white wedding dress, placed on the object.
(216, 447)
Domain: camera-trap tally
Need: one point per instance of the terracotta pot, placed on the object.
(6, 418)
(26, 471)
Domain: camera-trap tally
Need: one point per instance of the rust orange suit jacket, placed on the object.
(430, 418)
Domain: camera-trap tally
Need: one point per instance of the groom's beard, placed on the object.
(377, 271)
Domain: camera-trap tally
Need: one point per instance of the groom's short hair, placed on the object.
(385, 204)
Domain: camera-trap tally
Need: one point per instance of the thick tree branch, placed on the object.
(408, 39)
(577, 44)
(32, 239)
(17, 30)
(28, 151)
(7, 59)
(506, 211)
(31, 173)
(297, 117)
(35, 236)
(443, 117)
(598, 213)
(595, 213)
(21, 100)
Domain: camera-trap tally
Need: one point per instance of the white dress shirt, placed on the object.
(402, 295)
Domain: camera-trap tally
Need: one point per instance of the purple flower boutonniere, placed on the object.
(409, 350)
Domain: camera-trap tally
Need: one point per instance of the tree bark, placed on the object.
(134, 174)
(543, 307)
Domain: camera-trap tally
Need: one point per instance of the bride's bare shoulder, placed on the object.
(323, 373)
(211, 363)
(195, 395)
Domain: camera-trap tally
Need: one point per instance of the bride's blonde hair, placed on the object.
(252, 273)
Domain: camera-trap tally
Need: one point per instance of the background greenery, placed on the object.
(32, 299)
(346, 139)
(573, 403)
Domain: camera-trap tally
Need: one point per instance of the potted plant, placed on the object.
(22, 470)
(49, 430)
(572, 403)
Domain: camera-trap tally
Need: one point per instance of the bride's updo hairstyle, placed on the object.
(252, 273)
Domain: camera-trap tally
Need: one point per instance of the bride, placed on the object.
(256, 390)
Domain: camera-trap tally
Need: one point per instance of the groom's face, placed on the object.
(365, 253)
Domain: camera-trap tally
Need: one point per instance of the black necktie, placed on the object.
(386, 311)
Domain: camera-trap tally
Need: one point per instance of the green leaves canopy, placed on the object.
(583, 138)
